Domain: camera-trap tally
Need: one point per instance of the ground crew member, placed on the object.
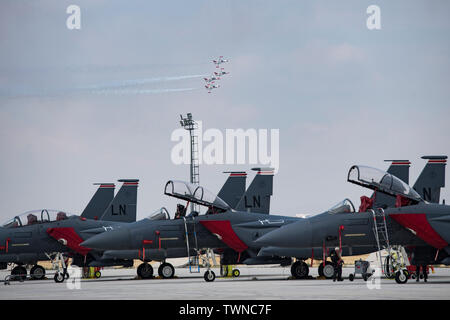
(424, 271)
(337, 263)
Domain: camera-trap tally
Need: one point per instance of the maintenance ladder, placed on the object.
(381, 236)
(193, 261)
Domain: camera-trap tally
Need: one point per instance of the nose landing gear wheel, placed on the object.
(401, 277)
(166, 270)
(209, 276)
(97, 274)
(145, 271)
(236, 273)
(59, 277)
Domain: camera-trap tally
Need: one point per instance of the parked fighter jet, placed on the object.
(98, 203)
(52, 234)
(421, 227)
(299, 269)
(51, 237)
(431, 178)
(222, 228)
(249, 231)
(219, 61)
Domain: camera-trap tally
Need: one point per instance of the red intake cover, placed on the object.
(224, 230)
(72, 238)
(419, 224)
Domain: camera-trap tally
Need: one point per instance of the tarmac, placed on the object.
(254, 283)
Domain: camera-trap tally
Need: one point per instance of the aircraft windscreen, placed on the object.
(376, 179)
(160, 214)
(35, 217)
(195, 194)
(345, 206)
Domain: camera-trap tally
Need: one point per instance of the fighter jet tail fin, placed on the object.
(234, 188)
(400, 169)
(257, 197)
(123, 207)
(99, 201)
(432, 178)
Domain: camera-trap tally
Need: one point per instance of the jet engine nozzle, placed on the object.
(63, 241)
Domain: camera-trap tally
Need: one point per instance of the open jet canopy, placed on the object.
(382, 181)
(36, 217)
(345, 206)
(194, 194)
(160, 214)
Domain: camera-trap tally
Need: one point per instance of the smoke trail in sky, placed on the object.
(116, 88)
(138, 82)
(138, 91)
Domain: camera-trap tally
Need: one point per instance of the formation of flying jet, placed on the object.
(420, 226)
(210, 85)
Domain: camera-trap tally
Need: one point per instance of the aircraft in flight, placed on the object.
(211, 79)
(219, 61)
(221, 73)
(211, 86)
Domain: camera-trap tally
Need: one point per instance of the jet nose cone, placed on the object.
(294, 235)
(109, 240)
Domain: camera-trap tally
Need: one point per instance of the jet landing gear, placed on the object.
(166, 270)
(326, 271)
(37, 272)
(299, 270)
(19, 272)
(59, 263)
(145, 270)
(209, 275)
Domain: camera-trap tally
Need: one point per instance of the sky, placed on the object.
(100, 103)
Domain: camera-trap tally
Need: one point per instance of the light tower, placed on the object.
(189, 124)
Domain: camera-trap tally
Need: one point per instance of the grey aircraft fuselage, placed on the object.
(422, 225)
(31, 243)
(230, 229)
